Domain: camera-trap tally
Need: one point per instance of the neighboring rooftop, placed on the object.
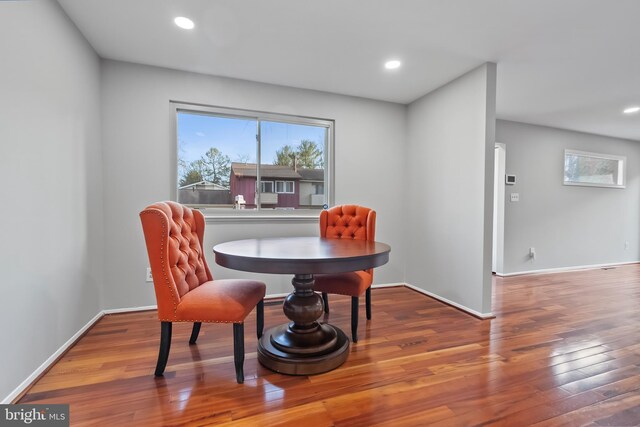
(266, 171)
(311, 174)
(205, 185)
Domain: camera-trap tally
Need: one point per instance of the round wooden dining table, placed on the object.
(303, 346)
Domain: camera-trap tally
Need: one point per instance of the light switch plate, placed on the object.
(515, 197)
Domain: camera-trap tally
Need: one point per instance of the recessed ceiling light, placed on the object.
(185, 23)
(392, 65)
(631, 110)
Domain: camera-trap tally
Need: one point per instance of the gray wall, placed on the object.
(139, 162)
(49, 140)
(567, 225)
(100, 136)
(450, 160)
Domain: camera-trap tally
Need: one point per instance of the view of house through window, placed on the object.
(221, 159)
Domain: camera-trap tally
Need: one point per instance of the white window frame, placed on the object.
(329, 172)
(262, 186)
(284, 183)
(622, 169)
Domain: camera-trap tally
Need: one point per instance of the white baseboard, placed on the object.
(64, 347)
(277, 296)
(129, 309)
(47, 363)
(452, 303)
(384, 285)
(267, 297)
(566, 269)
(389, 285)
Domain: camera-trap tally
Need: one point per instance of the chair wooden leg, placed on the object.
(238, 351)
(260, 318)
(325, 301)
(368, 303)
(354, 318)
(194, 332)
(165, 346)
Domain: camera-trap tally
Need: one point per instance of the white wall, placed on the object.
(450, 156)
(51, 185)
(568, 226)
(139, 163)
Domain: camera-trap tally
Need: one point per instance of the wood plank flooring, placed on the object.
(564, 349)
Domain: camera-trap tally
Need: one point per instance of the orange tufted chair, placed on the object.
(347, 222)
(184, 288)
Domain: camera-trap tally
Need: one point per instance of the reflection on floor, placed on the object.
(563, 349)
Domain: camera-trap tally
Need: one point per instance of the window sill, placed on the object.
(260, 217)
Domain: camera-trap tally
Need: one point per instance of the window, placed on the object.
(594, 169)
(224, 153)
(266, 186)
(284, 187)
(318, 188)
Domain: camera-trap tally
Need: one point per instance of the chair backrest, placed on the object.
(348, 222)
(174, 234)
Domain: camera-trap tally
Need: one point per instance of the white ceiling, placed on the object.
(572, 64)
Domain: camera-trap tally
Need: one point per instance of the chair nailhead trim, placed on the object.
(166, 277)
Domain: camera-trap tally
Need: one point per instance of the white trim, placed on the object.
(596, 155)
(566, 269)
(274, 296)
(451, 303)
(389, 285)
(500, 173)
(622, 169)
(129, 309)
(177, 106)
(47, 363)
(384, 285)
(64, 347)
(262, 186)
(293, 185)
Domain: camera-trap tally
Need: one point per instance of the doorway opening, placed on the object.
(497, 263)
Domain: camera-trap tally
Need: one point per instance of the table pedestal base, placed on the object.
(279, 351)
(304, 346)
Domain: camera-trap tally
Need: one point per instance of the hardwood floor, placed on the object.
(564, 349)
